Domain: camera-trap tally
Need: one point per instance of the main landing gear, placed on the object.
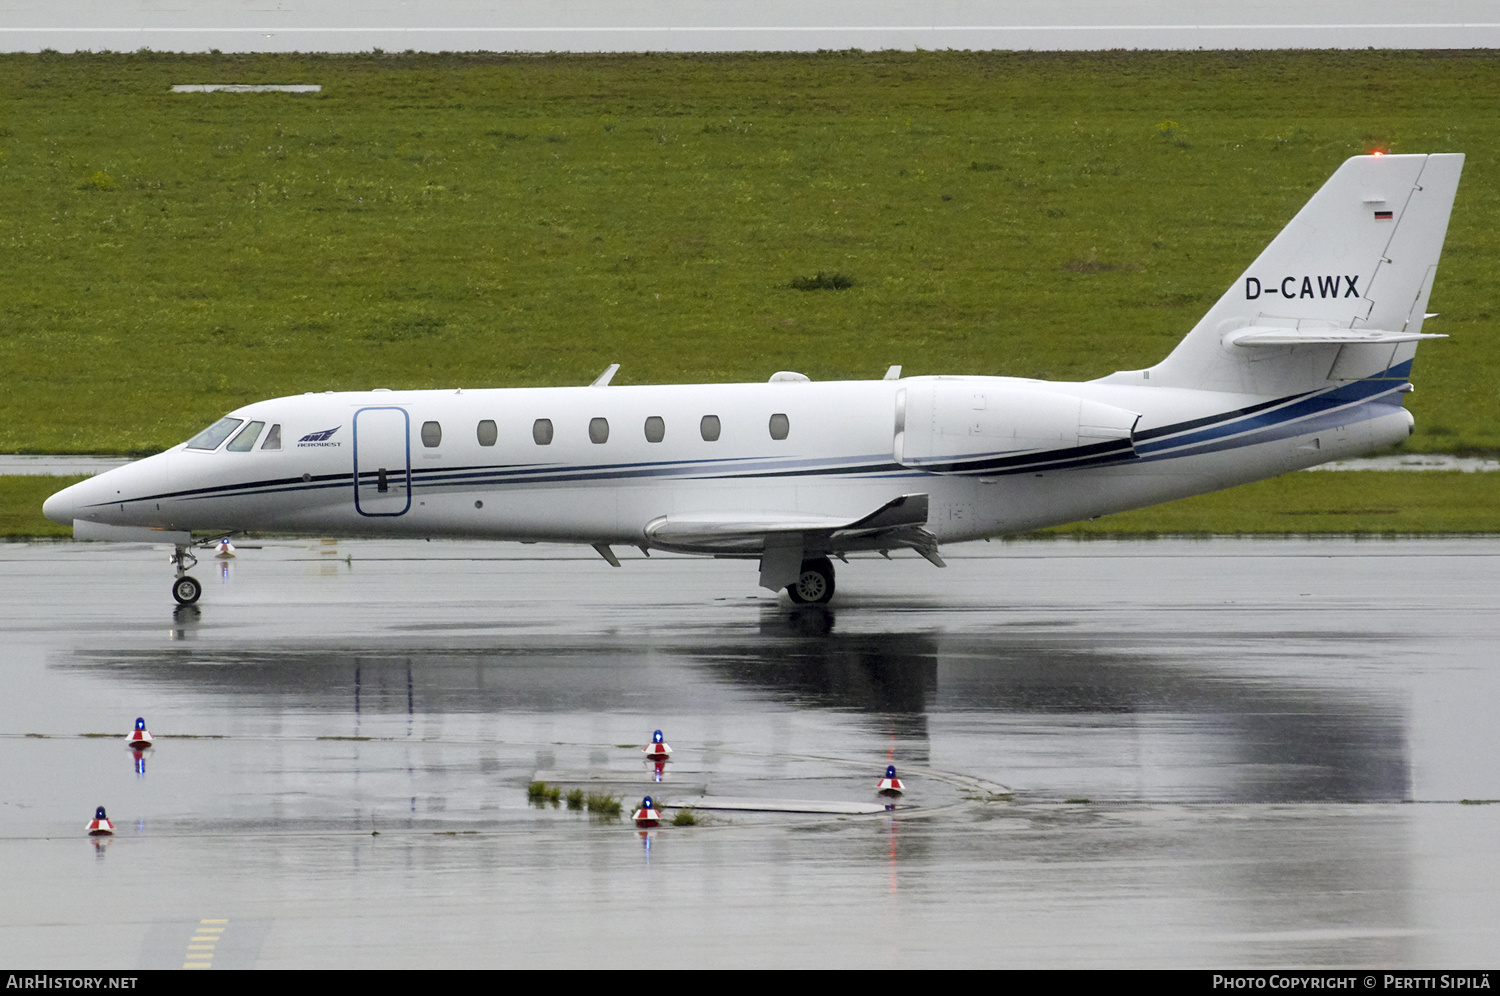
(185, 589)
(814, 584)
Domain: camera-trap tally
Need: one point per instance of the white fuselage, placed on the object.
(1303, 359)
(994, 455)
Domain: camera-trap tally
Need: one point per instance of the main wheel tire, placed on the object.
(814, 584)
(186, 590)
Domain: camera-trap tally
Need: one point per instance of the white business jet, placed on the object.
(1304, 359)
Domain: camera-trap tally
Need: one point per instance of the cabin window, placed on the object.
(598, 430)
(541, 431)
(210, 438)
(709, 427)
(656, 429)
(432, 434)
(245, 441)
(780, 426)
(487, 432)
(273, 438)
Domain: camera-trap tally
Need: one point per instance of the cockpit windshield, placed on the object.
(210, 438)
(245, 441)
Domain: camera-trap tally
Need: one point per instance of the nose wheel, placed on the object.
(814, 584)
(185, 589)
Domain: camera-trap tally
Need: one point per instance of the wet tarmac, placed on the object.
(1171, 753)
(27, 464)
(740, 25)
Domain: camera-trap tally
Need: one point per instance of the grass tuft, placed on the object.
(575, 799)
(685, 818)
(602, 804)
(823, 281)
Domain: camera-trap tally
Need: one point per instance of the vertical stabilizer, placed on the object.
(1340, 294)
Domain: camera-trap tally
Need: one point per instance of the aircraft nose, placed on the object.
(63, 506)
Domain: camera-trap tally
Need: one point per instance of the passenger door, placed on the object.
(382, 461)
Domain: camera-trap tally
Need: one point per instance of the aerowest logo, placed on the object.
(1300, 287)
(319, 438)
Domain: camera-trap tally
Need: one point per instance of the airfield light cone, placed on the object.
(100, 826)
(890, 784)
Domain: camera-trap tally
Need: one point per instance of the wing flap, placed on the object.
(900, 520)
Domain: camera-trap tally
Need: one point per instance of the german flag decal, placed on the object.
(1382, 216)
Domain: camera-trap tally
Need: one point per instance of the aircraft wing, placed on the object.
(896, 524)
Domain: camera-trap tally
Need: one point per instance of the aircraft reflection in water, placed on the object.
(1204, 734)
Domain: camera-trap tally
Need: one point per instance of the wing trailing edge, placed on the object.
(784, 540)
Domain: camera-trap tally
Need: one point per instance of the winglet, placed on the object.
(907, 510)
(608, 375)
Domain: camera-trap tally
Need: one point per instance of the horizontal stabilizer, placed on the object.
(1307, 337)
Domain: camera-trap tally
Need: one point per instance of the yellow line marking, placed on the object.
(201, 946)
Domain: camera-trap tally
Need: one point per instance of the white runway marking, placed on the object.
(779, 806)
(247, 88)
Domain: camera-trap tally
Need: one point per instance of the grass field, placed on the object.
(1360, 502)
(1365, 502)
(495, 221)
(21, 498)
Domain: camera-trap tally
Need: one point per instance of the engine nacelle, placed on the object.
(943, 421)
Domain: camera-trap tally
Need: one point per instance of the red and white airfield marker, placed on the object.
(140, 737)
(100, 826)
(657, 749)
(646, 815)
(890, 784)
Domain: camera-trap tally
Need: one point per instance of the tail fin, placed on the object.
(1339, 295)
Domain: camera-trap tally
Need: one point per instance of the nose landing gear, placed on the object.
(185, 589)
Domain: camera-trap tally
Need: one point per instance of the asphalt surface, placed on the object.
(739, 25)
(1170, 753)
